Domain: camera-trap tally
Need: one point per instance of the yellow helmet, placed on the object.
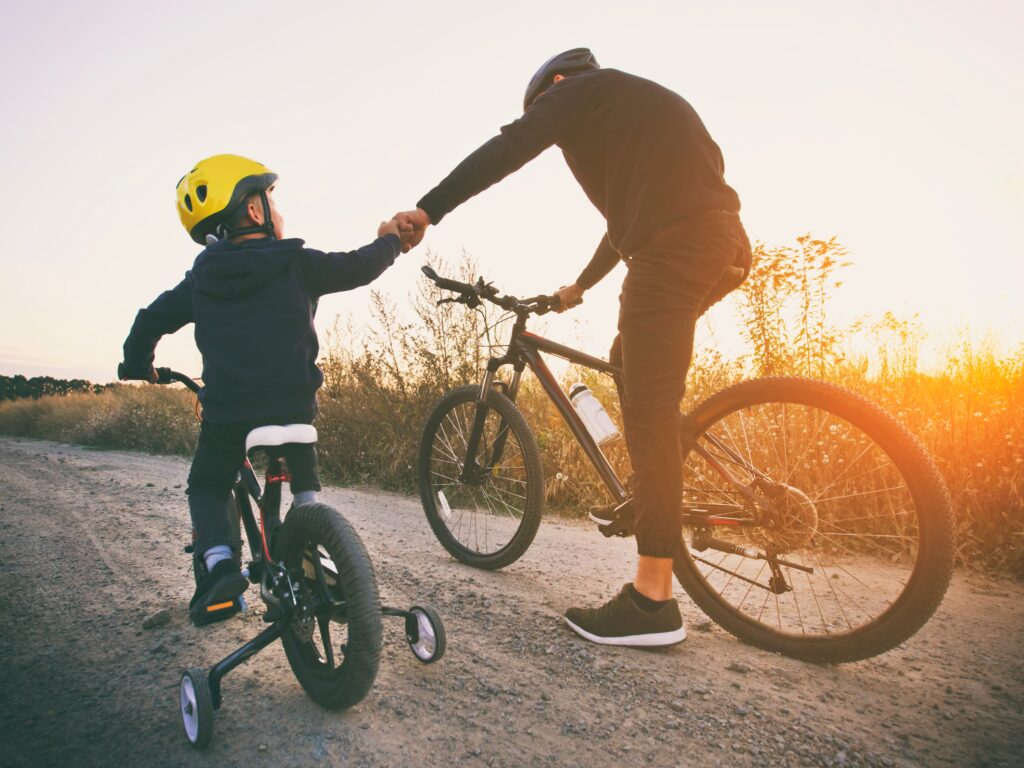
(210, 193)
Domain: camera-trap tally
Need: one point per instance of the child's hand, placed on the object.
(405, 231)
(389, 228)
(419, 220)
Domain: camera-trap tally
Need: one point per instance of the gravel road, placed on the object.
(90, 544)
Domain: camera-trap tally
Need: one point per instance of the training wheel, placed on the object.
(424, 631)
(196, 707)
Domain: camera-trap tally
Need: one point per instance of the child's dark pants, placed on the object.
(219, 456)
(669, 285)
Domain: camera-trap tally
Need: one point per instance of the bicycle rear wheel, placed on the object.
(335, 651)
(490, 519)
(858, 551)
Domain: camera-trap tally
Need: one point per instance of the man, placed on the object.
(644, 158)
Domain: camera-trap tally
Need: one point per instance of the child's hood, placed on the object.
(232, 270)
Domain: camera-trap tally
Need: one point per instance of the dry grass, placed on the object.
(157, 420)
(380, 389)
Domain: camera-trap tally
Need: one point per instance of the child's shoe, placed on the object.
(217, 595)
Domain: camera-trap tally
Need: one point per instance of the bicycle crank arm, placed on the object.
(724, 546)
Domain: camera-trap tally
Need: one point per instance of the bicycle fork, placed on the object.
(471, 470)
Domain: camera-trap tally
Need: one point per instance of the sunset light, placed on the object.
(539, 384)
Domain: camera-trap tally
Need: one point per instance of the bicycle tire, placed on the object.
(319, 526)
(533, 493)
(933, 563)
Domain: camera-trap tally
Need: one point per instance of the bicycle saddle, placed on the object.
(267, 437)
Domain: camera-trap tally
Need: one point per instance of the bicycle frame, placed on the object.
(269, 504)
(525, 350)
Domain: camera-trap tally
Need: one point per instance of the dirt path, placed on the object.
(90, 543)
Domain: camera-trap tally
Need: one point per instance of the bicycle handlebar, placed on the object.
(166, 376)
(472, 293)
(163, 376)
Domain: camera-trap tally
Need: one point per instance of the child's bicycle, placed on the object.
(814, 524)
(319, 587)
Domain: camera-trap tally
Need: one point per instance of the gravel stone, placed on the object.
(158, 619)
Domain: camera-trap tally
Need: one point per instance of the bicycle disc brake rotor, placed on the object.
(797, 524)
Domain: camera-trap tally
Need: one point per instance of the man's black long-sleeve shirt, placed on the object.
(640, 152)
(253, 304)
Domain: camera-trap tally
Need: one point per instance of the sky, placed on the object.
(896, 126)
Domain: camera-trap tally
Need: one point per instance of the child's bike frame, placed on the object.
(319, 576)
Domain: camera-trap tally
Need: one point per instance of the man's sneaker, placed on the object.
(217, 595)
(621, 621)
(614, 519)
(604, 514)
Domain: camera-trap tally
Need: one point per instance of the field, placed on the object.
(968, 411)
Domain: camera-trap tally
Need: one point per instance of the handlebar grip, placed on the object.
(444, 282)
(123, 374)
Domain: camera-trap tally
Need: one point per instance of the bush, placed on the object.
(382, 382)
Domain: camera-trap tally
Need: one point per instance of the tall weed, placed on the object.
(382, 380)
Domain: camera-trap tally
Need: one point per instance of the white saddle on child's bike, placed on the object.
(266, 437)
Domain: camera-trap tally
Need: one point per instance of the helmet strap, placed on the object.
(266, 228)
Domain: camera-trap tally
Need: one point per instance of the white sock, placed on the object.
(304, 497)
(214, 555)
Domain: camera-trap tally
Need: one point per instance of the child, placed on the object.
(252, 295)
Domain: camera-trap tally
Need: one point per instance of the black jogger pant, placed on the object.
(219, 456)
(668, 286)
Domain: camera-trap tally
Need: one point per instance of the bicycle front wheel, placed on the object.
(853, 550)
(487, 516)
(334, 646)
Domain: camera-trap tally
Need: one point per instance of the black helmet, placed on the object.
(569, 63)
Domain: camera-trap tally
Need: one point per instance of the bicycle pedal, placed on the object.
(211, 614)
(621, 528)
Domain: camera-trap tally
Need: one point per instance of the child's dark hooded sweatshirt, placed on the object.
(253, 305)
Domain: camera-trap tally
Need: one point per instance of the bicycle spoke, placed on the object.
(490, 502)
(849, 520)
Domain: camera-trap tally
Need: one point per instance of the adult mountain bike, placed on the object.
(318, 583)
(814, 524)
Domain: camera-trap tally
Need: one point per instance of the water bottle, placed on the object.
(596, 419)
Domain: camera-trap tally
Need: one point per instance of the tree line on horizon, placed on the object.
(20, 387)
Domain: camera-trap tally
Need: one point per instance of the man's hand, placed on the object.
(124, 373)
(405, 232)
(418, 221)
(569, 296)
